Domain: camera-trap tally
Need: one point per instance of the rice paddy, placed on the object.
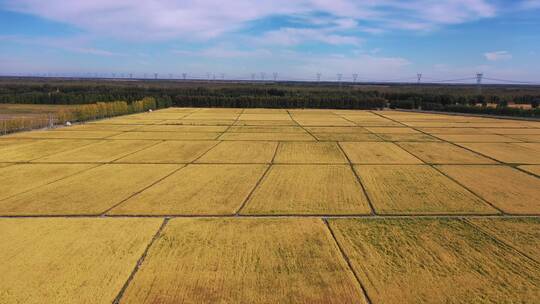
(186, 205)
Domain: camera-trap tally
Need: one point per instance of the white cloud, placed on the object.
(498, 56)
(203, 19)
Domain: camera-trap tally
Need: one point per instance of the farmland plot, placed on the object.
(23, 177)
(509, 189)
(196, 190)
(99, 152)
(407, 137)
(346, 137)
(69, 260)
(434, 261)
(392, 130)
(506, 152)
(308, 189)
(402, 189)
(182, 128)
(167, 135)
(532, 169)
(377, 153)
(526, 137)
(170, 152)
(521, 233)
(309, 153)
(481, 138)
(456, 131)
(244, 261)
(443, 153)
(266, 129)
(237, 152)
(262, 123)
(60, 134)
(39, 148)
(268, 136)
(99, 127)
(89, 193)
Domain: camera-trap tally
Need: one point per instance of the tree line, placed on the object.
(269, 95)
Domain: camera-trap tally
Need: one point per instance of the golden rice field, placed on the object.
(201, 205)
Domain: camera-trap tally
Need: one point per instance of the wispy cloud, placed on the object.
(294, 36)
(498, 56)
(204, 19)
(226, 52)
(72, 44)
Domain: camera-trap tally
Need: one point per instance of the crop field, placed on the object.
(210, 205)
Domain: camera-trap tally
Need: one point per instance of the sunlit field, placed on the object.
(205, 205)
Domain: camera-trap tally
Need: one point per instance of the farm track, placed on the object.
(278, 201)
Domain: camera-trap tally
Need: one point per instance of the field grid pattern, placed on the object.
(210, 205)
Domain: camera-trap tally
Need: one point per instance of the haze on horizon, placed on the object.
(379, 40)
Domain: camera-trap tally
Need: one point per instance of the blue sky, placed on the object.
(377, 39)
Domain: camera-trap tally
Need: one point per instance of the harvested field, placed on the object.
(509, 189)
(213, 205)
(244, 261)
(434, 261)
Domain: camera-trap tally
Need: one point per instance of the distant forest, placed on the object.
(455, 98)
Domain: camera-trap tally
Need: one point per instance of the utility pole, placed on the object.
(222, 76)
(155, 75)
(479, 82)
(275, 76)
(252, 76)
(419, 77)
(184, 75)
(354, 77)
(130, 76)
(339, 77)
(319, 78)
